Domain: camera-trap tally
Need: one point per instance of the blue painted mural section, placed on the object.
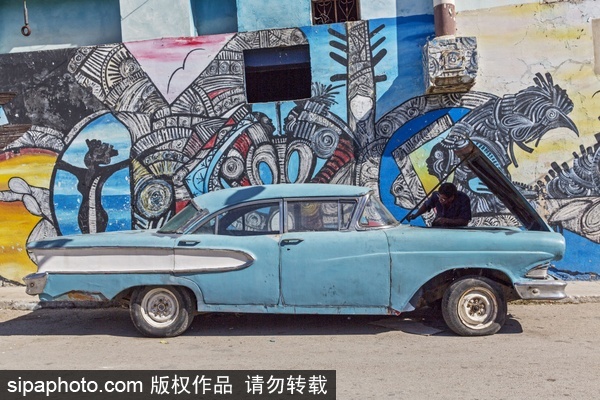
(256, 15)
(115, 191)
(581, 259)
(3, 119)
(405, 56)
(389, 170)
(322, 68)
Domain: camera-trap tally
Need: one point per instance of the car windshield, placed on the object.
(375, 215)
(183, 219)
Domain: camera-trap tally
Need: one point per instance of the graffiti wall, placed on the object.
(515, 42)
(124, 135)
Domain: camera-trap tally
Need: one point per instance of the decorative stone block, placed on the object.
(450, 64)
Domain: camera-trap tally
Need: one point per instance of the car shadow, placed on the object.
(116, 322)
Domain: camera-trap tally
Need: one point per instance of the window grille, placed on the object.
(331, 11)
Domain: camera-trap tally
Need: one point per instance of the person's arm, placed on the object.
(426, 206)
(450, 222)
(419, 212)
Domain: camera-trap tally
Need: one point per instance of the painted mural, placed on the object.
(125, 135)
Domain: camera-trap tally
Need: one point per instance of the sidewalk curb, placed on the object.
(581, 299)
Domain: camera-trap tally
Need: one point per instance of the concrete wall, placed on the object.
(150, 19)
(58, 24)
(517, 41)
(69, 23)
(260, 14)
(256, 15)
(175, 112)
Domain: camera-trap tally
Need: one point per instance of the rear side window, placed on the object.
(315, 216)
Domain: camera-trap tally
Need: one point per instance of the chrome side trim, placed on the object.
(98, 248)
(35, 283)
(541, 290)
(105, 260)
(199, 270)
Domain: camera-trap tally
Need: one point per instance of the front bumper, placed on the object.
(35, 283)
(541, 289)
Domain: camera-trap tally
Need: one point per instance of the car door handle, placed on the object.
(291, 242)
(188, 243)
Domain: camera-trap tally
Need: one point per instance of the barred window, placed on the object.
(330, 11)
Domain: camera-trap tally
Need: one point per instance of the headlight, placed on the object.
(538, 272)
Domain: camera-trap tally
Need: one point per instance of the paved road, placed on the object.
(546, 351)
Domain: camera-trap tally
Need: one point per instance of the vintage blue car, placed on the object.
(307, 249)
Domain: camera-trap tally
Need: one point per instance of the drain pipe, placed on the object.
(444, 17)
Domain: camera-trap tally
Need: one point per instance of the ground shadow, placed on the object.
(116, 322)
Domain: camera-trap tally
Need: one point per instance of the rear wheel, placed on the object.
(161, 311)
(474, 306)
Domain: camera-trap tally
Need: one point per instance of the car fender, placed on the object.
(104, 287)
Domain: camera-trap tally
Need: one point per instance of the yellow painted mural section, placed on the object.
(516, 42)
(17, 222)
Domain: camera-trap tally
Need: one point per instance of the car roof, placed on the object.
(218, 199)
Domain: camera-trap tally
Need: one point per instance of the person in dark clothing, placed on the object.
(452, 207)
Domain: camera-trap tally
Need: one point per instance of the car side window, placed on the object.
(206, 228)
(253, 219)
(311, 215)
(376, 215)
(346, 212)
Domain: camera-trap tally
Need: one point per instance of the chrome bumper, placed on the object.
(541, 290)
(35, 283)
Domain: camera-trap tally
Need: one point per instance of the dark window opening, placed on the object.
(277, 74)
(331, 11)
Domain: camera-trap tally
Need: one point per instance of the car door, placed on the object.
(234, 257)
(325, 264)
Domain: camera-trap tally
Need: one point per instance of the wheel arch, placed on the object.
(124, 296)
(433, 290)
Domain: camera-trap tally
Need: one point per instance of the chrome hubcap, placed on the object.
(160, 307)
(477, 308)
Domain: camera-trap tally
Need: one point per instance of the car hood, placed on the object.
(500, 185)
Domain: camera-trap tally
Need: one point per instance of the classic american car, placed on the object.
(307, 249)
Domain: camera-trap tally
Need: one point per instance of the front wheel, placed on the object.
(474, 306)
(161, 311)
